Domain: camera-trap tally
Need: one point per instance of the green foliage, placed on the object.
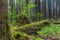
(25, 11)
(38, 39)
(13, 15)
(53, 30)
(26, 8)
(31, 5)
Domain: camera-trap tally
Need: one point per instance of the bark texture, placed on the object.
(4, 28)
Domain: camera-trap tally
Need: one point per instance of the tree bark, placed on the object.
(49, 9)
(4, 28)
(12, 5)
(44, 8)
(37, 9)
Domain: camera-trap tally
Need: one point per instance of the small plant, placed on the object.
(38, 38)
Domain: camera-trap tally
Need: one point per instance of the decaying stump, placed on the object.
(22, 20)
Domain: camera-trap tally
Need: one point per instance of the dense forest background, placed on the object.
(29, 20)
(46, 9)
(34, 19)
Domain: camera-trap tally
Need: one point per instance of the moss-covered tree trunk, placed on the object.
(4, 28)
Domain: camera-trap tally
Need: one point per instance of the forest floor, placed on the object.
(33, 31)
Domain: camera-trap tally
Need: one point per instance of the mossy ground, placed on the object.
(35, 31)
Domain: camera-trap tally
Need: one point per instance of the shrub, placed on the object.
(53, 30)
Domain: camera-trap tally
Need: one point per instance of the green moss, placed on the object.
(18, 34)
(23, 36)
(33, 25)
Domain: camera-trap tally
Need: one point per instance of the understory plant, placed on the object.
(53, 30)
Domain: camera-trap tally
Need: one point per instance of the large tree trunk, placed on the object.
(4, 28)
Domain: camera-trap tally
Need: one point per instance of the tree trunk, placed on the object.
(37, 9)
(4, 28)
(44, 8)
(12, 5)
(49, 9)
(27, 2)
(58, 9)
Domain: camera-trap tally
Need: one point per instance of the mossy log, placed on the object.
(33, 27)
